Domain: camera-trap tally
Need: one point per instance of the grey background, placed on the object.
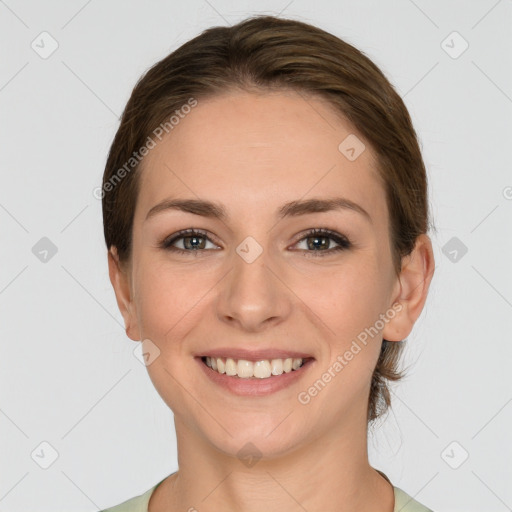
(69, 376)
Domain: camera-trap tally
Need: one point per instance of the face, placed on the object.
(256, 278)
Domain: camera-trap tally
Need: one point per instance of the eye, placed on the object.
(191, 240)
(318, 241)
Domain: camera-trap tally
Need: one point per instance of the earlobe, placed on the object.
(121, 284)
(413, 285)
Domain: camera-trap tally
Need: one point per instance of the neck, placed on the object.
(328, 474)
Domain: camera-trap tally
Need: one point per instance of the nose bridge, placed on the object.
(252, 295)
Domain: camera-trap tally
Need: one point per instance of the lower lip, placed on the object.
(254, 386)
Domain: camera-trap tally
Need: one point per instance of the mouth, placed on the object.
(254, 373)
(260, 369)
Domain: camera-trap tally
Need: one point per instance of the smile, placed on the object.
(257, 378)
(245, 369)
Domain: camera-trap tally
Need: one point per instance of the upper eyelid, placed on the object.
(187, 233)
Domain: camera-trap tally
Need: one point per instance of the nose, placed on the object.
(252, 296)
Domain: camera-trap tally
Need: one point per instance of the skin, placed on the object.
(252, 153)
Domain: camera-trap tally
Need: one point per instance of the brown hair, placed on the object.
(265, 53)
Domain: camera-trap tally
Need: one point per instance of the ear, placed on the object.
(119, 278)
(411, 290)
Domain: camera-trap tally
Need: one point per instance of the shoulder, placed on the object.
(137, 504)
(404, 502)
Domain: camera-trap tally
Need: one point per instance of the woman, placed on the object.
(266, 215)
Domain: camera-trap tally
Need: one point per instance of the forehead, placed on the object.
(250, 151)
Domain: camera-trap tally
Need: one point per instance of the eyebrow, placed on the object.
(292, 209)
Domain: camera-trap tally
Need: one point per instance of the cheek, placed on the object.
(170, 304)
(347, 298)
(173, 300)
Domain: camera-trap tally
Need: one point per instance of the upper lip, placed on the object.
(254, 355)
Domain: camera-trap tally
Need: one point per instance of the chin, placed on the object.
(253, 439)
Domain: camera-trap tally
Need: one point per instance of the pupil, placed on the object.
(193, 240)
(315, 241)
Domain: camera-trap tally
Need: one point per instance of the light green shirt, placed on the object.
(403, 502)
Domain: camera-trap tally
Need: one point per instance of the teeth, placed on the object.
(276, 366)
(230, 366)
(296, 364)
(244, 369)
(260, 369)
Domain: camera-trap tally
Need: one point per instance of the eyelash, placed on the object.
(342, 241)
